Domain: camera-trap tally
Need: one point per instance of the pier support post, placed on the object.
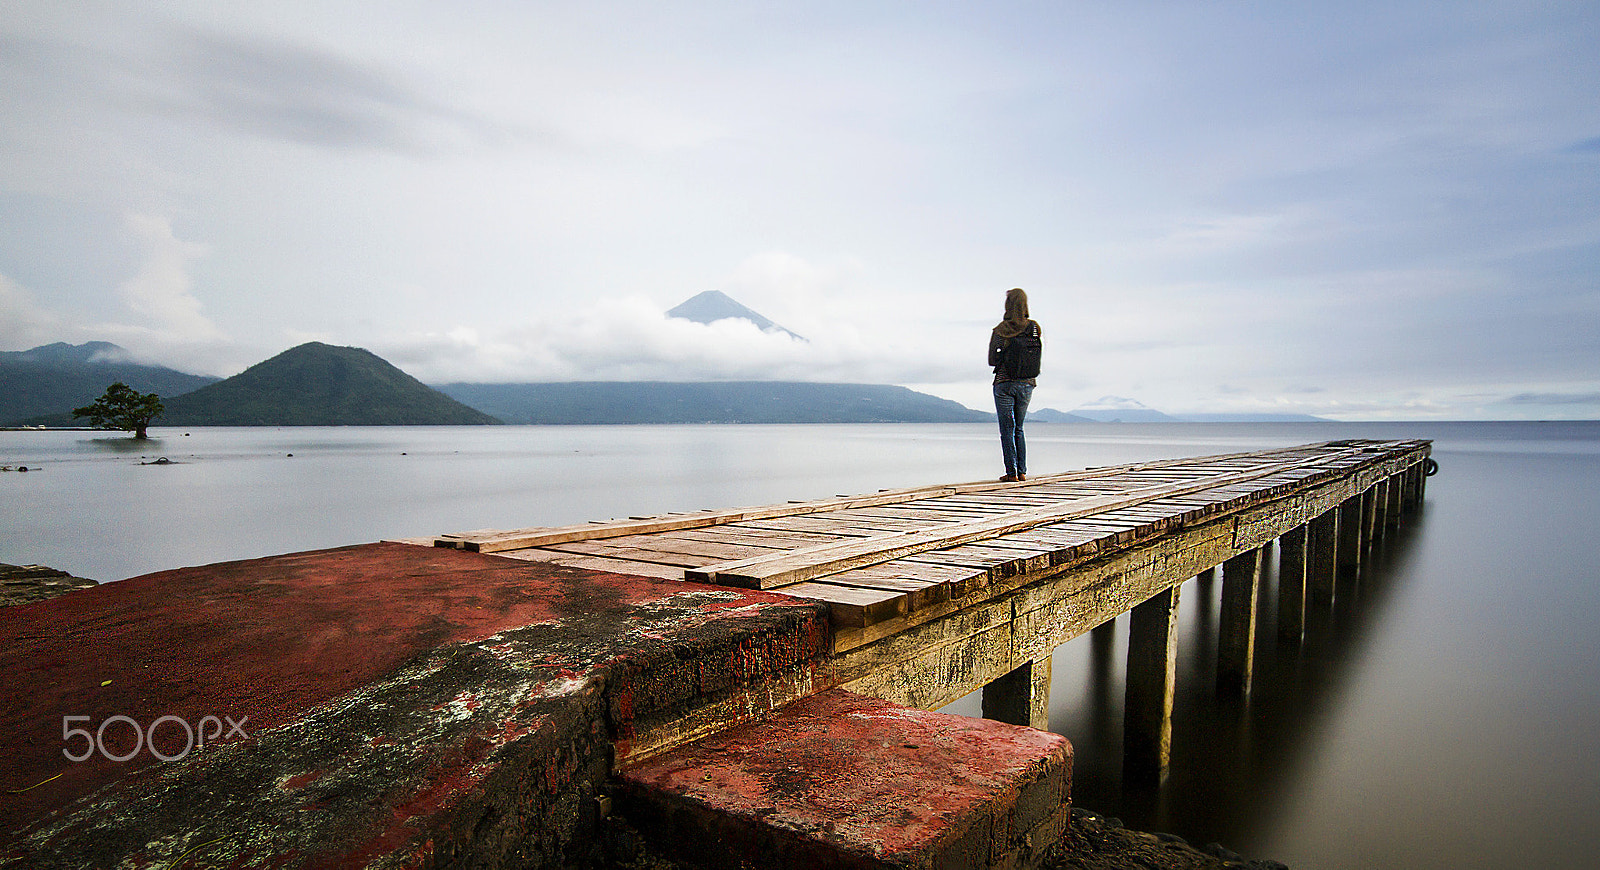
(1350, 537)
(1021, 697)
(1399, 497)
(1236, 628)
(1292, 586)
(1147, 699)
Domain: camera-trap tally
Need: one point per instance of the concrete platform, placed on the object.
(840, 780)
(376, 705)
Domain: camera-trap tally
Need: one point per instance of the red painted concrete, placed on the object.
(274, 642)
(842, 780)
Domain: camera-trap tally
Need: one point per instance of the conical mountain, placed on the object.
(714, 305)
(317, 384)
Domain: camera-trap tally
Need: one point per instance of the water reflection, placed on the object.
(1234, 757)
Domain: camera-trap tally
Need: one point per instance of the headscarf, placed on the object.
(1016, 321)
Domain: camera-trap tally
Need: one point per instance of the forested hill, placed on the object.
(599, 402)
(55, 378)
(317, 384)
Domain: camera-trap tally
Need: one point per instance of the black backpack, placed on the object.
(1020, 359)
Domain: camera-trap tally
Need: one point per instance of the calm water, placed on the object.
(1445, 719)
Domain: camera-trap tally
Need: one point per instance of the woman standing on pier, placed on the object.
(1014, 350)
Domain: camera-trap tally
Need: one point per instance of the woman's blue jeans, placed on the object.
(1011, 404)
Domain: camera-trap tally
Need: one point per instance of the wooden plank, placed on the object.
(920, 593)
(789, 537)
(1018, 556)
(1067, 546)
(806, 525)
(993, 566)
(749, 538)
(956, 578)
(668, 543)
(597, 563)
(852, 606)
(921, 515)
(887, 523)
(631, 554)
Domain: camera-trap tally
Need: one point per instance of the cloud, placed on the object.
(255, 85)
(161, 290)
(23, 324)
(280, 90)
(631, 338)
(1555, 399)
(170, 326)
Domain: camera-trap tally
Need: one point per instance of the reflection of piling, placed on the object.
(1322, 564)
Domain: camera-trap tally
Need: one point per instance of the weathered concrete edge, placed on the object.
(506, 756)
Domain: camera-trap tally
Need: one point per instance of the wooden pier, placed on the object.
(732, 682)
(937, 592)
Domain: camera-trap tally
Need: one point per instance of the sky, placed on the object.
(1357, 210)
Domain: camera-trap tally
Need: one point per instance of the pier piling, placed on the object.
(1236, 627)
(1021, 697)
(1150, 684)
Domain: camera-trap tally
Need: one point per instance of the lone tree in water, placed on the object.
(122, 407)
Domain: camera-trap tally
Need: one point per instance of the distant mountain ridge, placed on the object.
(610, 402)
(317, 384)
(53, 379)
(1051, 415)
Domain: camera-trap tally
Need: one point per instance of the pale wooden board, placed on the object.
(886, 522)
(1013, 559)
(630, 554)
(853, 607)
(920, 593)
(671, 543)
(955, 577)
(812, 525)
(741, 534)
(921, 513)
(595, 563)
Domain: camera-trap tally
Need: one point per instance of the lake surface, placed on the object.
(1445, 718)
